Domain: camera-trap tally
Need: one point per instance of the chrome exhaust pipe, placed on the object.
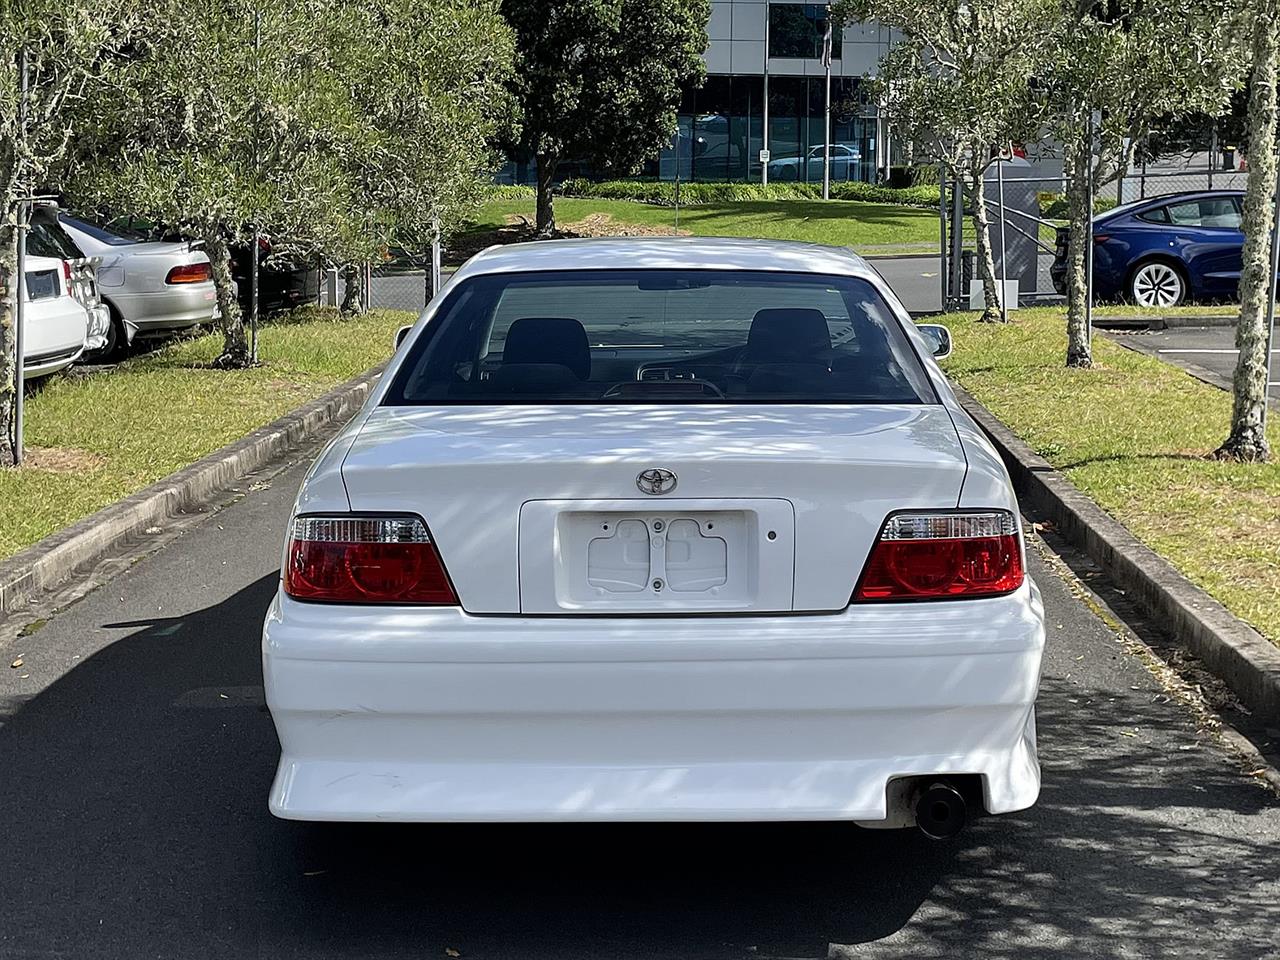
(940, 811)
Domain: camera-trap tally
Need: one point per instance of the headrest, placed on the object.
(789, 335)
(559, 340)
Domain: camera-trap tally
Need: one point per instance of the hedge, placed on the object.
(1053, 206)
(663, 193)
(508, 191)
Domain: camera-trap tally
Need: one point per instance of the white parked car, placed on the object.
(151, 286)
(678, 529)
(846, 159)
(55, 324)
(46, 238)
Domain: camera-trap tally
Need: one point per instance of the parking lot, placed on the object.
(1207, 352)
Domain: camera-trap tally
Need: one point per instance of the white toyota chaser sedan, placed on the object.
(678, 529)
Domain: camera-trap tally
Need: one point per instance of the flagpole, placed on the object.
(764, 149)
(826, 135)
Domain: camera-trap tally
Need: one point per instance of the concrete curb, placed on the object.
(56, 558)
(1164, 323)
(1229, 648)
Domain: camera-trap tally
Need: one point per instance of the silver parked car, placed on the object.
(156, 286)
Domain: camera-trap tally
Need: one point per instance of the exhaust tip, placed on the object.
(940, 811)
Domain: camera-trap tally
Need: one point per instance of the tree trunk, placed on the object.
(1247, 439)
(1080, 168)
(991, 291)
(235, 345)
(546, 221)
(8, 332)
(353, 293)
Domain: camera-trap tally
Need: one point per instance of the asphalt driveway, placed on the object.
(135, 756)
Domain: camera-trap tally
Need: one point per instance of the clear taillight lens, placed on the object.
(351, 559)
(921, 556)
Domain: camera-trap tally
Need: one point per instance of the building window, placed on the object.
(796, 30)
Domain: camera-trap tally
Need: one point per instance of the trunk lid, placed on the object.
(538, 510)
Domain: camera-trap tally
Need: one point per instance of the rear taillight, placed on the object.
(348, 559)
(66, 275)
(921, 556)
(190, 273)
(1101, 237)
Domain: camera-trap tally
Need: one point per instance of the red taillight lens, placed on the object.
(66, 275)
(943, 555)
(190, 273)
(1101, 237)
(365, 560)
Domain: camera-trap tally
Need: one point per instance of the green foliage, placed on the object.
(1053, 206)
(916, 175)
(601, 79)
(662, 193)
(428, 80)
(506, 191)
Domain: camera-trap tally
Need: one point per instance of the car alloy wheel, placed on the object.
(1157, 285)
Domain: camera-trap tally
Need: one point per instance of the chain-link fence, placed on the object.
(393, 286)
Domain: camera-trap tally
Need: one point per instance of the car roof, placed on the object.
(668, 253)
(1158, 201)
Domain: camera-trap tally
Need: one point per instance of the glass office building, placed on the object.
(721, 124)
(776, 46)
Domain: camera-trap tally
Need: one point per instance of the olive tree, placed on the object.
(957, 87)
(54, 57)
(429, 86)
(1110, 71)
(238, 118)
(600, 80)
(1247, 437)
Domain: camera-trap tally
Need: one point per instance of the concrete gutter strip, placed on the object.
(1229, 648)
(56, 558)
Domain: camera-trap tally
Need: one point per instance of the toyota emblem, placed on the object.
(656, 481)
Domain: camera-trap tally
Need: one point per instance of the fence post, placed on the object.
(957, 238)
(942, 234)
(331, 287)
(1213, 149)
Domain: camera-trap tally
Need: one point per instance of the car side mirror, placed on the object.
(937, 337)
(401, 334)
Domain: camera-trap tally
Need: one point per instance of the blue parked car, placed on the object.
(1163, 251)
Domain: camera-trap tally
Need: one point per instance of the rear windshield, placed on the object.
(661, 336)
(116, 237)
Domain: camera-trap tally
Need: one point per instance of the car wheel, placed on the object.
(1157, 284)
(788, 174)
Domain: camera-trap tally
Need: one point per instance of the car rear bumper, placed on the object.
(175, 308)
(51, 361)
(437, 715)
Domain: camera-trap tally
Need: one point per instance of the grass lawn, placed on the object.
(867, 227)
(94, 438)
(1134, 433)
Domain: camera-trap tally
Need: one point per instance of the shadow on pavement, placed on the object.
(133, 793)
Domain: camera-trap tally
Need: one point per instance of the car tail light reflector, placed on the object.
(190, 273)
(952, 555)
(352, 559)
(1101, 237)
(66, 275)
